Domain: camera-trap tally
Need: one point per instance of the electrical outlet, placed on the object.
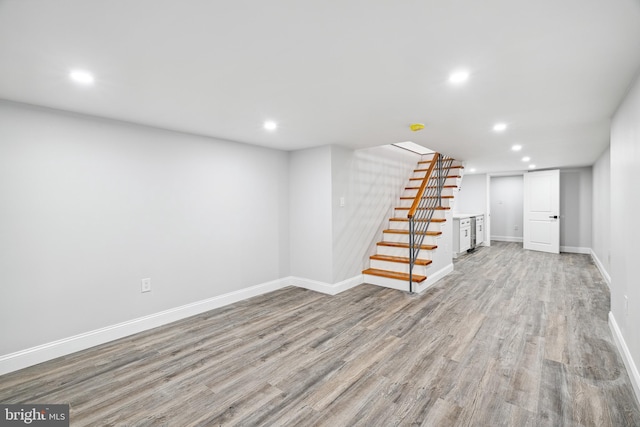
(145, 285)
(515, 228)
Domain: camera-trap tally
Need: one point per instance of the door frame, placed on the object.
(487, 221)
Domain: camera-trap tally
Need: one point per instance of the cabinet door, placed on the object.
(456, 236)
(465, 238)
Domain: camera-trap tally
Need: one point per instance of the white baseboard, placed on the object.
(575, 250)
(600, 266)
(41, 353)
(326, 288)
(434, 277)
(632, 370)
(507, 239)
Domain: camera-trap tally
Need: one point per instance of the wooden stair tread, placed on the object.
(426, 197)
(406, 245)
(452, 167)
(435, 208)
(448, 176)
(399, 259)
(426, 233)
(434, 220)
(431, 186)
(405, 219)
(430, 160)
(393, 275)
(438, 220)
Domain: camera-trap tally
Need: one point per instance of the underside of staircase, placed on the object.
(389, 266)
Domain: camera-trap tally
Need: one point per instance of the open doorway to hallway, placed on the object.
(506, 207)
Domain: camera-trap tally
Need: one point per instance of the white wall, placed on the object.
(601, 208)
(575, 209)
(89, 207)
(310, 214)
(472, 195)
(507, 208)
(371, 182)
(331, 243)
(625, 234)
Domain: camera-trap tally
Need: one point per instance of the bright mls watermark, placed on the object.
(41, 415)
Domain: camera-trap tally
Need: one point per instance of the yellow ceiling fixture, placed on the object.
(416, 126)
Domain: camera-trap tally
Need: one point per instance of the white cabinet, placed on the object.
(461, 235)
(468, 232)
(479, 229)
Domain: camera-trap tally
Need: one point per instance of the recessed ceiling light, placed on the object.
(532, 166)
(500, 127)
(516, 147)
(459, 77)
(472, 170)
(526, 159)
(82, 77)
(270, 125)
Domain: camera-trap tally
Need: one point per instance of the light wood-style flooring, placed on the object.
(510, 338)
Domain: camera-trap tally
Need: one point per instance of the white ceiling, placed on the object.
(352, 73)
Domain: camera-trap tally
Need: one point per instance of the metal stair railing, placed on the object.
(427, 200)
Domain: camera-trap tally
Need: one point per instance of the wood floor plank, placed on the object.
(510, 337)
(442, 413)
(554, 402)
(556, 345)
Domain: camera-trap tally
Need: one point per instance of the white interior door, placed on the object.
(541, 229)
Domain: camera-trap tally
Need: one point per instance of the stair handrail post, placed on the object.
(414, 248)
(441, 181)
(411, 252)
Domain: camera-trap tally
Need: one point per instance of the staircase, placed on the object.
(404, 256)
